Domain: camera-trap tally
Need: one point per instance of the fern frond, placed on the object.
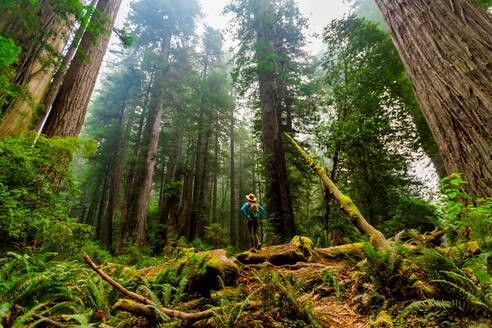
(20, 321)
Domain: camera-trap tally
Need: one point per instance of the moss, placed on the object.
(383, 320)
(251, 258)
(122, 301)
(204, 271)
(300, 249)
(346, 202)
(347, 250)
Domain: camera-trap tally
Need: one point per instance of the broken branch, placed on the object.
(142, 299)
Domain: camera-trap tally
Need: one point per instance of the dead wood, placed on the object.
(135, 308)
(142, 299)
(346, 204)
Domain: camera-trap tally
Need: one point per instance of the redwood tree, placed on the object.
(69, 108)
(446, 47)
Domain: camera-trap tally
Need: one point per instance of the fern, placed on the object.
(20, 321)
(81, 319)
(157, 303)
(427, 304)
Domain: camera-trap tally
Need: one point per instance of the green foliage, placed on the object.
(484, 4)
(229, 313)
(32, 210)
(66, 290)
(465, 217)
(9, 53)
(281, 297)
(388, 270)
(329, 279)
(368, 133)
(32, 280)
(460, 284)
(411, 213)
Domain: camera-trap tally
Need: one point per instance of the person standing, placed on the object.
(252, 211)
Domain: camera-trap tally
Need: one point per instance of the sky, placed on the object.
(319, 13)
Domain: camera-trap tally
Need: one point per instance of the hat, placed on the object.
(251, 198)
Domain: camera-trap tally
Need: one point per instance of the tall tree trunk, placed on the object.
(102, 204)
(202, 201)
(119, 155)
(279, 201)
(233, 224)
(60, 74)
(198, 177)
(130, 194)
(69, 108)
(171, 206)
(446, 47)
(216, 168)
(151, 139)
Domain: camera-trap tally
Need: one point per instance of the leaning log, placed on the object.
(346, 204)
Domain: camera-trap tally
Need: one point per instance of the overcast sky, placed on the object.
(319, 13)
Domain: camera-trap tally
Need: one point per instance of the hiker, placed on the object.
(252, 211)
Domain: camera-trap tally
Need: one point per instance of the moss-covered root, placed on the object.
(346, 204)
(383, 320)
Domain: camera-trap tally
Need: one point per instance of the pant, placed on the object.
(253, 232)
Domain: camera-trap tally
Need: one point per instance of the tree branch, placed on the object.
(186, 316)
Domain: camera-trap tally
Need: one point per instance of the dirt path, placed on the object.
(331, 305)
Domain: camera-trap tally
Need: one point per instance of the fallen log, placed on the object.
(186, 316)
(346, 204)
(211, 270)
(300, 249)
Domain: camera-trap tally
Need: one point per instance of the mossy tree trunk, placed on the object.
(375, 236)
(446, 47)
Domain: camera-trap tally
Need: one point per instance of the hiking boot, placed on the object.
(258, 247)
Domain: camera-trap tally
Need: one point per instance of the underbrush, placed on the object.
(427, 287)
(34, 183)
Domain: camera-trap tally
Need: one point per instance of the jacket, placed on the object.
(247, 211)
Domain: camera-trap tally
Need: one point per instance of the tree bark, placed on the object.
(375, 236)
(172, 202)
(216, 168)
(60, 74)
(279, 201)
(119, 155)
(35, 68)
(446, 47)
(233, 222)
(151, 140)
(129, 196)
(102, 204)
(69, 108)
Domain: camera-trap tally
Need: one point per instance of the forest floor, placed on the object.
(291, 285)
(332, 306)
(302, 288)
